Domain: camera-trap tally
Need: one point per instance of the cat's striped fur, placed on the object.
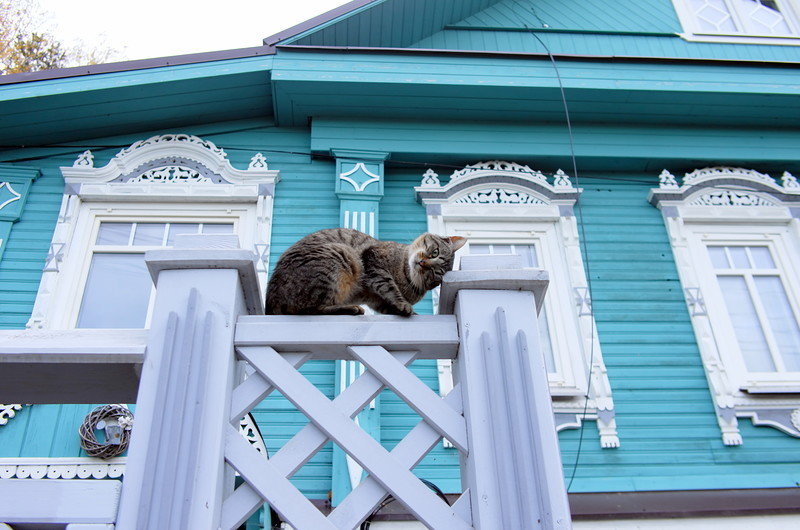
(334, 271)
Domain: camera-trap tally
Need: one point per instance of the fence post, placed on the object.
(175, 474)
(513, 469)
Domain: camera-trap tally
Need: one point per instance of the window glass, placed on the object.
(746, 324)
(114, 234)
(117, 292)
(781, 319)
(182, 228)
(149, 234)
(217, 228)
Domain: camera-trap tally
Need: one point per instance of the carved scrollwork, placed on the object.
(430, 179)
(169, 174)
(85, 159)
(498, 165)
(498, 196)
(168, 138)
(730, 198)
(8, 411)
(726, 172)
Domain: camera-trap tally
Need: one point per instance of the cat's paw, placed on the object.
(354, 310)
(405, 310)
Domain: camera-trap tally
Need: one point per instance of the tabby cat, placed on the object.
(332, 271)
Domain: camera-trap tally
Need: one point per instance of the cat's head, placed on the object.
(430, 256)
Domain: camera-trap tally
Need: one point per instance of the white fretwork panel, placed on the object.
(267, 480)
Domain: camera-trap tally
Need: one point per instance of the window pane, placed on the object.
(479, 249)
(528, 253)
(218, 228)
(718, 257)
(781, 319)
(745, 324)
(739, 257)
(117, 292)
(114, 233)
(501, 249)
(149, 234)
(181, 228)
(713, 15)
(761, 258)
(762, 17)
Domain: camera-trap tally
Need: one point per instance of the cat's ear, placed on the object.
(456, 242)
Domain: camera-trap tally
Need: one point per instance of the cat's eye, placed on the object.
(435, 253)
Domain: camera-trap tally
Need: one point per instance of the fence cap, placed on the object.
(498, 272)
(210, 252)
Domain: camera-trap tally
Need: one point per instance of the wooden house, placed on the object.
(641, 152)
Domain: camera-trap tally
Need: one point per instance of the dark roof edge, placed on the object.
(316, 21)
(524, 55)
(138, 64)
(650, 504)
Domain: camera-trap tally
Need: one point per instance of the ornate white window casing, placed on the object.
(171, 178)
(737, 225)
(740, 21)
(504, 203)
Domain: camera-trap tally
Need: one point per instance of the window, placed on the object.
(737, 246)
(151, 192)
(754, 21)
(508, 208)
(118, 289)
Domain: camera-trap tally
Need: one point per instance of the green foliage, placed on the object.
(26, 48)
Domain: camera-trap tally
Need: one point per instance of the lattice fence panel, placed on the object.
(267, 480)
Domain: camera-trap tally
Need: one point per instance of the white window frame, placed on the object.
(166, 178)
(693, 32)
(501, 202)
(730, 207)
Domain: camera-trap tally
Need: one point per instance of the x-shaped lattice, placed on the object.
(389, 472)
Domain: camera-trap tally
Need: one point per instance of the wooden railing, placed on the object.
(186, 448)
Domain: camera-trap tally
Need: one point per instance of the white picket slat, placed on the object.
(328, 336)
(255, 388)
(271, 485)
(400, 482)
(240, 505)
(409, 452)
(414, 392)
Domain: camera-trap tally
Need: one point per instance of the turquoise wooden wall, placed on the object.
(665, 417)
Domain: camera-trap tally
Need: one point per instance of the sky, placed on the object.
(141, 29)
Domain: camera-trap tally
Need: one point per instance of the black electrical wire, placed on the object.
(579, 216)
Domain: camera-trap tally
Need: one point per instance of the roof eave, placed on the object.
(319, 20)
(138, 64)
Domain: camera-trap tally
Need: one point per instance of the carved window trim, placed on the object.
(693, 31)
(165, 178)
(768, 215)
(532, 209)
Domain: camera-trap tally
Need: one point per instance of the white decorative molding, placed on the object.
(85, 159)
(511, 202)
(249, 430)
(14, 195)
(62, 468)
(171, 174)
(562, 181)
(140, 163)
(718, 172)
(8, 411)
(724, 186)
(498, 196)
(795, 417)
(789, 182)
(430, 179)
(163, 175)
(360, 167)
(722, 206)
(730, 198)
(497, 166)
(258, 162)
(666, 181)
(583, 300)
(694, 299)
(497, 181)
